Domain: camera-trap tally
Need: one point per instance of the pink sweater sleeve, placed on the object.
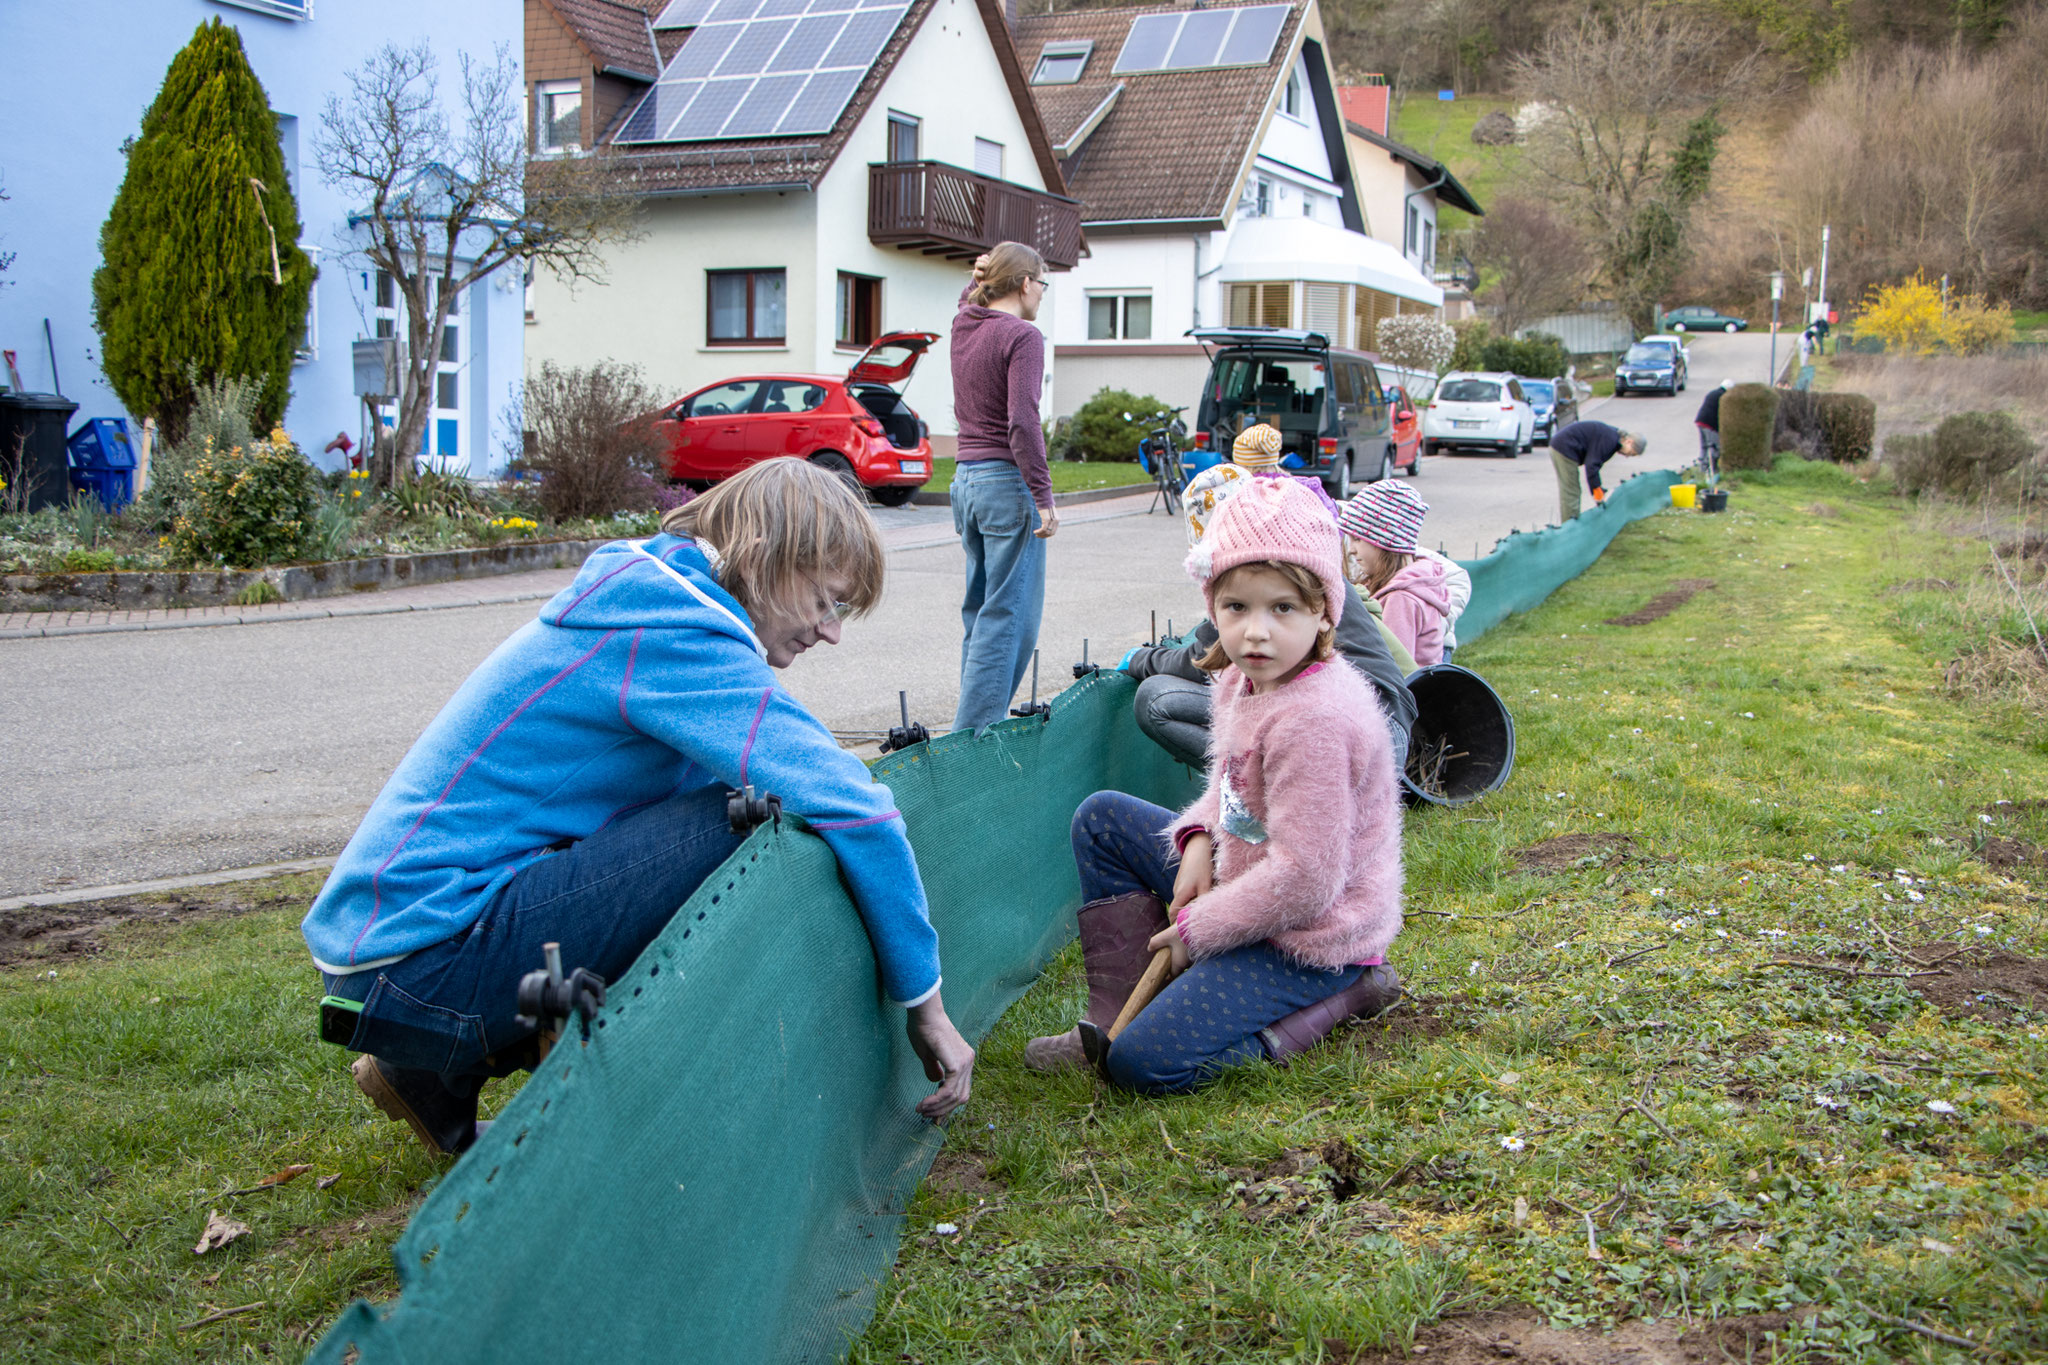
(1307, 770)
(1202, 814)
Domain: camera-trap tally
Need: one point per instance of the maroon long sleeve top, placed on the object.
(998, 371)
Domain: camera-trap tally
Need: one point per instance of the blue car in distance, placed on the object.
(1554, 403)
(1651, 366)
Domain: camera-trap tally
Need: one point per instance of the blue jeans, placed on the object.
(452, 1009)
(1209, 1019)
(993, 512)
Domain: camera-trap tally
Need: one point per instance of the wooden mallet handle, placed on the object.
(1149, 985)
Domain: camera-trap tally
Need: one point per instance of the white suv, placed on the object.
(1479, 412)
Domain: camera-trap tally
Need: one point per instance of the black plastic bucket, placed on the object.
(1716, 501)
(1455, 704)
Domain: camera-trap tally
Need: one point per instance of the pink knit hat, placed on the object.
(1271, 519)
(1386, 514)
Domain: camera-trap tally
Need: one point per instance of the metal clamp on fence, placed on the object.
(547, 998)
(1084, 668)
(744, 810)
(909, 732)
(1035, 707)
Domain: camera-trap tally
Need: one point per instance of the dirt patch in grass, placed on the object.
(1569, 851)
(1999, 852)
(38, 932)
(1920, 585)
(1410, 1021)
(962, 1173)
(1987, 984)
(1826, 510)
(376, 1225)
(1664, 603)
(2031, 803)
(1489, 1338)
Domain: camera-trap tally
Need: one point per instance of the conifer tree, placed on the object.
(201, 275)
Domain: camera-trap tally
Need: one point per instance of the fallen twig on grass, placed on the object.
(1931, 1333)
(1169, 1141)
(1644, 952)
(223, 1313)
(1645, 1111)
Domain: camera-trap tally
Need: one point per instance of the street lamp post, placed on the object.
(1777, 293)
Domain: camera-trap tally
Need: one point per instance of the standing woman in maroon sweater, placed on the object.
(1002, 494)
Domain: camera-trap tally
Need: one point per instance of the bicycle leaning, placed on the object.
(1159, 455)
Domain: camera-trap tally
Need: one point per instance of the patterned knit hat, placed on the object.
(1386, 514)
(1257, 447)
(1271, 519)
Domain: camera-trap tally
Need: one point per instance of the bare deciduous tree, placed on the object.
(1535, 262)
(441, 202)
(1630, 132)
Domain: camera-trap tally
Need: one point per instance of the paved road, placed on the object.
(140, 755)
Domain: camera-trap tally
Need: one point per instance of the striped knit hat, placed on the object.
(1271, 519)
(1257, 447)
(1386, 514)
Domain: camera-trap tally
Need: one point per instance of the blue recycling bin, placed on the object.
(103, 462)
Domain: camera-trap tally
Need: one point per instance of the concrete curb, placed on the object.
(79, 895)
(254, 616)
(1058, 499)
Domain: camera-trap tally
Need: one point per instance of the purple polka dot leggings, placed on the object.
(1209, 1018)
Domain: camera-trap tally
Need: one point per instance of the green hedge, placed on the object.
(1848, 426)
(1749, 415)
(1099, 431)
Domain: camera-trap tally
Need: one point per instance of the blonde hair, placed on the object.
(781, 529)
(1009, 266)
(1388, 563)
(1303, 581)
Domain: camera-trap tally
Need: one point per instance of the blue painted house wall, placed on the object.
(79, 76)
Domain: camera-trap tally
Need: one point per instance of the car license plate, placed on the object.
(912, 466)
(1464, 426)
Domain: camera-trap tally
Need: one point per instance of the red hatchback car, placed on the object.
(858, 427)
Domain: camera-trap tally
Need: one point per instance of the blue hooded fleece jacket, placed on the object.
(640, 681)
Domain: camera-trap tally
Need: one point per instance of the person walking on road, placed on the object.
(1708, 420)
(1588, 445)
(1002, 491)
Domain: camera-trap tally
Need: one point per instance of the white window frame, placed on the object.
(541, 91)
(300, 10)
(1120, 319)
(308, 349)
(1054, 52)
(1291, 95)
(981, 143)
(896, 117)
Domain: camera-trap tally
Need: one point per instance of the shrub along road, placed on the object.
(1719, 1012)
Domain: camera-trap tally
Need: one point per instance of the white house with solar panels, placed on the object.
(1208, 151)
(815, 173)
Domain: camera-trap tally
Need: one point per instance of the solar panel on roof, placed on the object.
(684, 13)
(1196, 39)
(756, 68)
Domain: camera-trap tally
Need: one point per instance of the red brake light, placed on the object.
(1201, 440)
(1328, 445)
(1507, 407)
(868, 426)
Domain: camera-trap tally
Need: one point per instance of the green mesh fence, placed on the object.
(719, 1174)
(1528, 566)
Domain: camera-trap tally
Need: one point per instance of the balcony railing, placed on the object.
(944, 210)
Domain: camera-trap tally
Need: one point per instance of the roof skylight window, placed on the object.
(1061, 63)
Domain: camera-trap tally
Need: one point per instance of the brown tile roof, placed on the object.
(1176, 143)
(694, 167)
(616, 34)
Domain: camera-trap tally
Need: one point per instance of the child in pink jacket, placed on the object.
(1283, 879)
(1382, 555)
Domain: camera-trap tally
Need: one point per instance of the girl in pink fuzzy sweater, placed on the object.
(1283, 879)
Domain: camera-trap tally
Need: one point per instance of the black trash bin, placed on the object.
(1456, 713)
(32, 427)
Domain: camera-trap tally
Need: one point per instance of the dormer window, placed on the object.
(1290, 100)
(558, 126)
(1061, 63)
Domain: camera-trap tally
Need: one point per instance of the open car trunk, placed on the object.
(1285, 390)
(888, 408)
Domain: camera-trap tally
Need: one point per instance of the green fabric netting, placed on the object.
(719, 1174)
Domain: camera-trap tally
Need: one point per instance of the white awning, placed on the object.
(1304, 249)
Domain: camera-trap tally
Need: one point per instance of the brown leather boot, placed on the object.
(1371, 994)
(1115, 938)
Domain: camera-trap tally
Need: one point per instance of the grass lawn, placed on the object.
(1443, 129)
(1068, 476)
(1673, 1066)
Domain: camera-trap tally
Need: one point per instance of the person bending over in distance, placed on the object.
(1708, 420)
(574, 791)
(1382, 557)
(1587, 446)
(1283, 879)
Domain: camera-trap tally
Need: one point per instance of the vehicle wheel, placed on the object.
(1340, 481)
(1681, 386)
(894, 496)
(1386, 465)
(1730, 329)
(832, 462)
(1415, 470)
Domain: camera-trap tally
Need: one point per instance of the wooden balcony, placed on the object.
(944, 210)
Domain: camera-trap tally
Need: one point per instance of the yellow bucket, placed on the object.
(1684, 494)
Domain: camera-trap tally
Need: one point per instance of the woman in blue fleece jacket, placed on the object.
(573, 791)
